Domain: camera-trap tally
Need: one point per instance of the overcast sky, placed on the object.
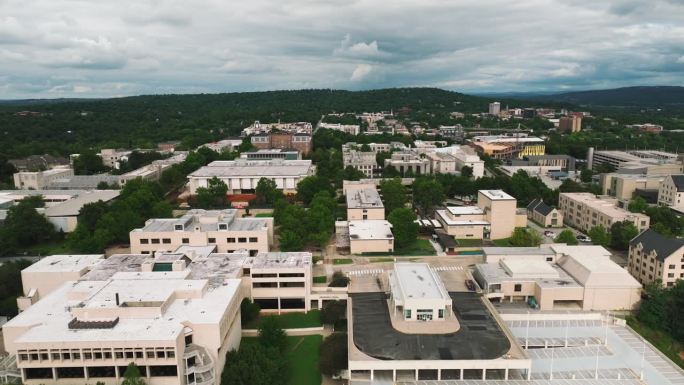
(96, 48)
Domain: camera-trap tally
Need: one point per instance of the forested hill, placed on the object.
(143, 121)
(656, 96)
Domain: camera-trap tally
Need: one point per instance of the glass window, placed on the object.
(441, 313)
(212, 240)
(407, 313)
(517, 287)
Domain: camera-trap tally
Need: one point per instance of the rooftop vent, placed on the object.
(77, 324)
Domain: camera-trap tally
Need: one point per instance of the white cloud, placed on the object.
(361, 72)
(681, 59)
(360, 50)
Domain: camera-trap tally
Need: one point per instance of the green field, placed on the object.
(381, 260)
(263, 215)
(291, 320)
(342, 261)
(469, 242)
(320, 279)
(506, 242)
(419, 247)
(302, 354)
(661, 340)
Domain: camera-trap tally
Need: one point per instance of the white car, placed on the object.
(549, 234)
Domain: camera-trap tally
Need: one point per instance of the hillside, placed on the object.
(142, 121)
(656, 96)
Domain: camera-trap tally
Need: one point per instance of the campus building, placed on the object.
(220, 228)
(364, 204)
(364, 161)
(557, 277)
(543, 214)
(269, 154)
(494, 217)
(508, 147)
(364, 236)
(636, 161)
(585, 210)
(626, 187)
(671, 192)
(298, 141)
(654, 257)
(243, 175)
(408, 162)
(570, 124)
(39, 180)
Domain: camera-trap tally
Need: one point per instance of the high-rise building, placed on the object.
(570, 124)
(494, 108)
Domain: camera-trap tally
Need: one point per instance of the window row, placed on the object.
(95, 354)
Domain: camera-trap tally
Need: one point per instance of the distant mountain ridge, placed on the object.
(647, 96)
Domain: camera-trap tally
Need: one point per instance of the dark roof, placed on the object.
(663, 246)
(38, 162)
(446, 240)
(539, 206)
(678, 181)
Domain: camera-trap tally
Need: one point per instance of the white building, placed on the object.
(223, 145)
(418, 294)
(365, 236)
(671, 192)
(243, 175)
(112, 158)
(353, 129)
(494, 108)
(40, 180)
(364, 204)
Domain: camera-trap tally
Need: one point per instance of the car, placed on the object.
(583, 238)
(549, 234)
(470, 284)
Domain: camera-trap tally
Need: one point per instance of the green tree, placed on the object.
(249, 311)
(333, 311)
(351, 173)
(523, 237)
(427, 193)
(132, 376)
(333, 354)
(467, 171)
(404, 227)
(585, 175)
(291, 241)
(270, 334)
(255, 364)
(267, 192)
(339, 280)
(393, 194)
(621, 233)
(88, 163)
(599, 236)
(308, 187)
(637, 205)
(665, 221)
(567, 237)
(24, 226)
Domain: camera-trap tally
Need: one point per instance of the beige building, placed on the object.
(221, 228)
(671, 192)
(624, 186)
(418, 294)
(39, 180)
(545, 215)
(364, 161)
(365, 236)
(585, 210)
(655, 257)
(494, 217)
(363, 204)
(559, 277)
(408, 162)
(112, 158)
(570, 124)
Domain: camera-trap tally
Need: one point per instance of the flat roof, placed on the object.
(249, 167)
(518, 251)
(416, 281)
(73, 206)
(366, 198)
(528, 268)
(605, 206)
(450, 222)
(278, 259)
(370, 230)
(64, 263)
(84, 181)
(206, 220)
(496, 195)
(465, 210)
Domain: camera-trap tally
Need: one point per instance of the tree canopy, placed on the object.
(404, 227)
(566, 236)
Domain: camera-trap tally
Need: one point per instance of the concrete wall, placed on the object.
(358, 214)
(371, 246)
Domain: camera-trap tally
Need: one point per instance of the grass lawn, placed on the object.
(419, 247)
(320, 279)
(506, 242)
(291, 320)
(343, 261)
(662, 341)
(263, 215)
(302, 354)
(380, 260)
(469, 242)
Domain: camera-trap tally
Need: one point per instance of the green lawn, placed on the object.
(302, 355)
(661, 340)
(469, 242)
(320, 279)
(380, 260)
(419, 247)
(506, 242)
(291, 320)
(343, 261)
(263, 215)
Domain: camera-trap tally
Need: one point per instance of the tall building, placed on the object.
(283, 140)
(570, 124)
(653, 257)
(584, 211)
(494, 108)
(671, 192)
(39, 180)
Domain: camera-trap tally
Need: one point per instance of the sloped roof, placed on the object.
(539, 206)
(678, 181)
(652, 241)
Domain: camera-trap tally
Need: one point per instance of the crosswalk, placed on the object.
(448, 268)
(358, 273)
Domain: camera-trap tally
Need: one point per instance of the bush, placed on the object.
(339, 280)
(334, 357)
(249, 311)
(333, 311)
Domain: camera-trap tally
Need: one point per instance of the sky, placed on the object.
(97, 48)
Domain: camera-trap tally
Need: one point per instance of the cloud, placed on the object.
(52, 48)
(361, 72)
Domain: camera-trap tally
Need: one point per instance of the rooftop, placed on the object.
(205, 220)
(73, 206)
(370, 230)
(64, 263)
(496, 195)
(652, 241)
(606, 206)
(84, 182)
(416, 281)
(465, 210)
(364, 199)
(261, 168)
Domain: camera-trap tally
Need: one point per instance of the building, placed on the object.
(83, 182)
(38, 162)
(265, 128)
(365, 236)
(112, 158)
(64, 216)
(653, 257)
(494, 217)
(464, 156)
(647, 127)
(39, 180)
(570, 124)
(413, 330)
(508, 147)
(585, 210)
(271, 154)
(168, 147)
(364, 204)
(364, 161)
(543, 214)
(352, 129)
(558, 277)
(243, 175)
(408, 162)
(636, 161)
(671, 192)
(624, 187)
(221, 228)
(298, 141)
(494, 108)
(454, 132)
(223, 145)
(561, 162)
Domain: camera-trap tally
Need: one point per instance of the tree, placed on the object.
(333, 311)
(585, 175)
(665, 221)
(351, 173)
(404, 227)
(24, 226)
(255, 364)
(393, 194)
(637, 205)
(249, 311)
(212, 196)
(567, 237)
(333, 354)
(88, 163)
(523, 237)
(132, 376)
(339, 280)
(270, 334)
(599, 236)
(309, 186)
(621, 233)
(291, 241)
(267, 192)
(427, 193)
(467, 171)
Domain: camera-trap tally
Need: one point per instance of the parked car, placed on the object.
(470, 284)
(583, 238)
(549, 234)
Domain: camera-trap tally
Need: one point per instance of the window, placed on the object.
(144, 241)
(517, 287)
(242, 240)
(670, 275)
(253, 239)
(671, 267)
(407, 313)
(549, 259)
(212, 240)
(441, 313)
(155, 241)
(185, 240)
(230, 240)
(166, 240)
